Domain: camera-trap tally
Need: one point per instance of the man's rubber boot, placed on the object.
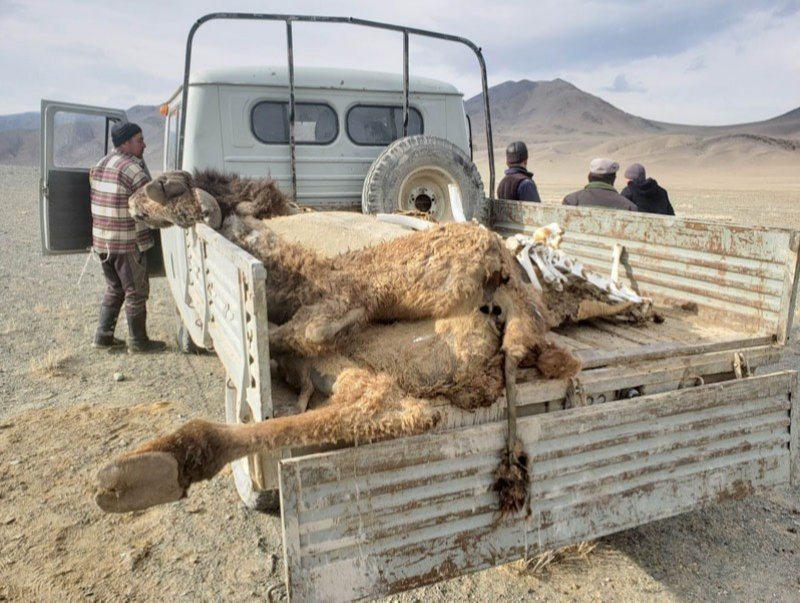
(104, 336)
(138, 341)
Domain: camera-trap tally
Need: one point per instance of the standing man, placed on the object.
(600, 191)
(517, 184)
(645, 192)
(120, 241)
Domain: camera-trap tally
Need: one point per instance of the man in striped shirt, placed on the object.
(120, 241)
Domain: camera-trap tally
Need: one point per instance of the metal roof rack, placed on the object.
(289, 19)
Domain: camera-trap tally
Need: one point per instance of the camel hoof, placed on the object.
(138, 482)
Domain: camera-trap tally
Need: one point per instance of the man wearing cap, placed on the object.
(645, 192)
(120, 241)
(600, 191)
(517, 184)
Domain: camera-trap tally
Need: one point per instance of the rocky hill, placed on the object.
(560, 121)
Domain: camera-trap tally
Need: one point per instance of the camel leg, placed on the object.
(364, 407)
(321, 329)
(313, 330)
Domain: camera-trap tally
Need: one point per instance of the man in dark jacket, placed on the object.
(600, 191)
(518, 184)
(645, 192)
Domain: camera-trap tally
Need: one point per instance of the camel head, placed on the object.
(171, 199)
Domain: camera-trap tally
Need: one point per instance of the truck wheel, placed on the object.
(267, 501)
(427, 174)
(252, 497)
(183, 339)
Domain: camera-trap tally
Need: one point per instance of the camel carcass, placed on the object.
(448, 306)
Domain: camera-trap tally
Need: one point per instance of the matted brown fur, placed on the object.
(447, 310)
(427, 274)
(169, 198)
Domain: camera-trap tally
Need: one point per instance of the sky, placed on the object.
(708, 62)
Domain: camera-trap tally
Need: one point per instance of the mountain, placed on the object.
(79, 140)
(556, 107)
(564, 126)
(19, 121)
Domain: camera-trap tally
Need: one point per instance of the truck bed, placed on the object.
(664, 417)
(603, 342)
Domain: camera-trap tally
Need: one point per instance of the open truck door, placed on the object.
(73, 139)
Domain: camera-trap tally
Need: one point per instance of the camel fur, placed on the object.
(448, 314)
(184, 199)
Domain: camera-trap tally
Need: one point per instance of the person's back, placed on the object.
(645, 192)
(600, 191)
(518, 184)
(121, 242)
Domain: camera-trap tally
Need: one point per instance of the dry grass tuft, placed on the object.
(10, 327)
(571, 554)
(52, 364)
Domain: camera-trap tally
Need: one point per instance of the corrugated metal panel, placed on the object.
(735, 274)
(373, 520)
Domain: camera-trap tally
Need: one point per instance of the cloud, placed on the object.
(741, 54)
(787, 9)
(697, 64)
(621, 84)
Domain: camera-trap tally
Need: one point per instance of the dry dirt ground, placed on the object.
(62, 415)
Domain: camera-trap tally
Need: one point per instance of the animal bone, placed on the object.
(571, 291)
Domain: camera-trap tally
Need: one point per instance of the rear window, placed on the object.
(315, 123)
(380, 125)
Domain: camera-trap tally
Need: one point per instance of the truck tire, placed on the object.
(183, 339)
(424, 173)
(267, 501)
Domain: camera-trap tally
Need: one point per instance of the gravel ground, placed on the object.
(62, 414)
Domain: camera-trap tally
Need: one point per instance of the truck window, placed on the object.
(380, 125)
(78, 140)
(171, 152)
(314, 123)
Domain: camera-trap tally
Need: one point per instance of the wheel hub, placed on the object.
(422, 199)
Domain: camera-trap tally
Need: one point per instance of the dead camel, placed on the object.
(450, 299)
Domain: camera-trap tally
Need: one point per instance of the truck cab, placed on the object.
(238, 121)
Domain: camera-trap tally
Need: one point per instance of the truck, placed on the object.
(664, 417)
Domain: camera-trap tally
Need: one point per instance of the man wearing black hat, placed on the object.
(517, 184)
(120, 241)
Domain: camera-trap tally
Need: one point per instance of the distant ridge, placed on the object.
(20, 121)
(534, 109)
(554, 107)
(564, 127)
(80, 142)
(557, 119)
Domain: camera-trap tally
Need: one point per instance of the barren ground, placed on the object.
(62, 415)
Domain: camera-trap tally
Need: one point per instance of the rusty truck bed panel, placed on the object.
(743, 277)
(372, 520)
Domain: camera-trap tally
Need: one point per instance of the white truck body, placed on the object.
(220, 131)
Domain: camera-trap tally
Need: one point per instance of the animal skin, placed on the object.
(389, 331)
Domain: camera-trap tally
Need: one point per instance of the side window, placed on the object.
(379, 125)
(314, 123)
(79, 140)
(171, 152)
